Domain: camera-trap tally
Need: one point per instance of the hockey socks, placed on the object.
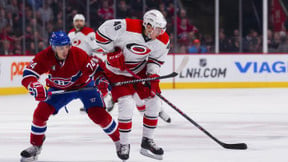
(101, 117)
(38, 128)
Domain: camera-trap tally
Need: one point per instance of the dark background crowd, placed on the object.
(25, 25)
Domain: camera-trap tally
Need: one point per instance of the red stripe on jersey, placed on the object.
(141, 108)
(134, 25)
(125, 125)
(72, 30)
(164, 38)
(86, 30)
(100, 38)
(150, 122)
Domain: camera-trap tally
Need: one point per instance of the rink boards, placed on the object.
(202, 71)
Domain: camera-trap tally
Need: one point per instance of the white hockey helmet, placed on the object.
(78, 17)
(156, 19)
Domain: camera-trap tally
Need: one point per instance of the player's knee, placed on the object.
(153, 106)
(99, 116)
(126, 105)
(42, 113)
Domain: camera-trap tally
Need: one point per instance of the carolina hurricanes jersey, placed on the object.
(84, 39)
(75, 72)
(138, 50)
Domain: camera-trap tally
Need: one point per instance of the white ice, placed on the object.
(258, 117)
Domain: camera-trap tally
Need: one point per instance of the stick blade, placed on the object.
(236, 146)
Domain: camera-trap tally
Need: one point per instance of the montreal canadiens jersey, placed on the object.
(138, 51)
(75, 72)
(84, 39)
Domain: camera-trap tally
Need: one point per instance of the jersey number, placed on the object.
(117, 25)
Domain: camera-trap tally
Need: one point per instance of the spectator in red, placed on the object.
(106, 12)
(183, 30)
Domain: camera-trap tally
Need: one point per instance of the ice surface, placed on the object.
(258, 117)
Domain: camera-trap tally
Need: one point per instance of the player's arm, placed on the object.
(31, 75)
(108, 32)
(157, 58)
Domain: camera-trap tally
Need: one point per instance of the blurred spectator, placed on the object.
(136, 8)
(224, 45)
(152, 4)
(106, 12)
(272, 43)
(3, 20)
(182, 49)
(197, 47)
(7, 48)
(12, 7)
(123, 10)
(41, 46)
(46, 13)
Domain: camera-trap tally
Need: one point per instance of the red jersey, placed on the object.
(72, 73)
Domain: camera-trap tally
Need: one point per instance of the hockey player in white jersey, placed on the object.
(83, 37)
(135, 47)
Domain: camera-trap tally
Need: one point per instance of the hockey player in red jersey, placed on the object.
(141, 47)
(84, 37)
(69, 68)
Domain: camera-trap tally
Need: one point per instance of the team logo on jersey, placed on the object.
(138, 49)
(76, 42)
(62, 83)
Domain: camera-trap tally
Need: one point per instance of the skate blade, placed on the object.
(30, 159)
(148, 153)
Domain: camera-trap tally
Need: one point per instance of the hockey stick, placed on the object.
(239, 146)
(171, 75)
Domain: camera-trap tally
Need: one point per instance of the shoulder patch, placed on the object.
(86, 30)
(134, 25)
(164, 38)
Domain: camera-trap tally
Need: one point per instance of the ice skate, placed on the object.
(150, 149)
(123, 151)
(30, 154)
(164, 116)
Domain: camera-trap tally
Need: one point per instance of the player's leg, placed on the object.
(150, 119)
(126, 105)
(140, 104)
(163, 115)
(95, 107)
(37, 135)
(40, 118)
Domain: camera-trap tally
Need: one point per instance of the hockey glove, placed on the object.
(154, 84)
(116, 59)
(37, 90)
(102, 84)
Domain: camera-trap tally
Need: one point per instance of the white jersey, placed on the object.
(137, 49)
(84, 39)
